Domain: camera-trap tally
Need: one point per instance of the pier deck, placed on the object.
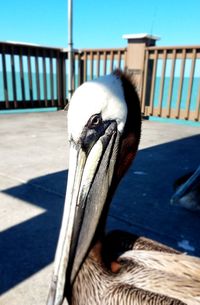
(33, 173)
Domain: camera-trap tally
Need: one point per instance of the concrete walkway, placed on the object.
(33, 173)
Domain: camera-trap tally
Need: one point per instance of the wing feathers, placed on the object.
(173, 275)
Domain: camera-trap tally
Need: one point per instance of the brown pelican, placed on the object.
(104, 123)
(187, 192)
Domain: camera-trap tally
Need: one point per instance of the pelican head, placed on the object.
(104, 125)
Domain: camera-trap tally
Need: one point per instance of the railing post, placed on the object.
(135, 58)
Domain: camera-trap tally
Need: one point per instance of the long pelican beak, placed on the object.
(183, 194)
(90, 176)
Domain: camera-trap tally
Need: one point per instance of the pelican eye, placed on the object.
(94, 121)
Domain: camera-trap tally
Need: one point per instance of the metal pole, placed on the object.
(70, 49)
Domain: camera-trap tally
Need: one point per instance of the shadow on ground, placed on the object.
(146, 191)
(141, 205)
(30, 246)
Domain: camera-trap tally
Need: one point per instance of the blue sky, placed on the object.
(100, 23)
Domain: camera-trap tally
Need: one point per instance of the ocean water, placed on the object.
(175, 91)
(193, 101)
(26, 85)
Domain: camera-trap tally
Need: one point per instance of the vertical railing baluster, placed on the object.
(5, 81)
(188, 101)
(180, 89)
(162, 81)
(64, 79)
(91, 64)
(126, 59)
(30, 77)
(80, 69)
(85, 66)
(44, 78)
(153, 83)
(37, 71)
(119, 59)
(98, 63)
(142, 89)
(169, 100)
(61, 78)
(51, 79)
(197, 110)
(105, 63)
(14, 79)
(22, 77)
(111, 60)
(58, 72)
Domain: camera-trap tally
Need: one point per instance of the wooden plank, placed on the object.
(153, 83)
(30, 78)
(179, 53)
(37, 78)
(197, 110)
(91, 65)
(25, 48)
(142, 91)
(188, 102)
(80, 69)
(181, 84)
(64, 81)
(61, 79)
(5, 81)
(98, 64)
(14, 79)
(125, 60)
(162, 82)
(58, 74)
(177, 48)
(22, 77)
(111, 61)
(169, 100)
(85, 67)
(102, 50)
(44, 78)
(118, 60)
(105, 63)
(51, 80)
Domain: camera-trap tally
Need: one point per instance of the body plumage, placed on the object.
(148, 274)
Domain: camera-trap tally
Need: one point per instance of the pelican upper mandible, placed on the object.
(104, 127)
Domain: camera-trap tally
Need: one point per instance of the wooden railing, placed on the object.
(31, 76)
(34, 76)
(171, 84)
(96, 62)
